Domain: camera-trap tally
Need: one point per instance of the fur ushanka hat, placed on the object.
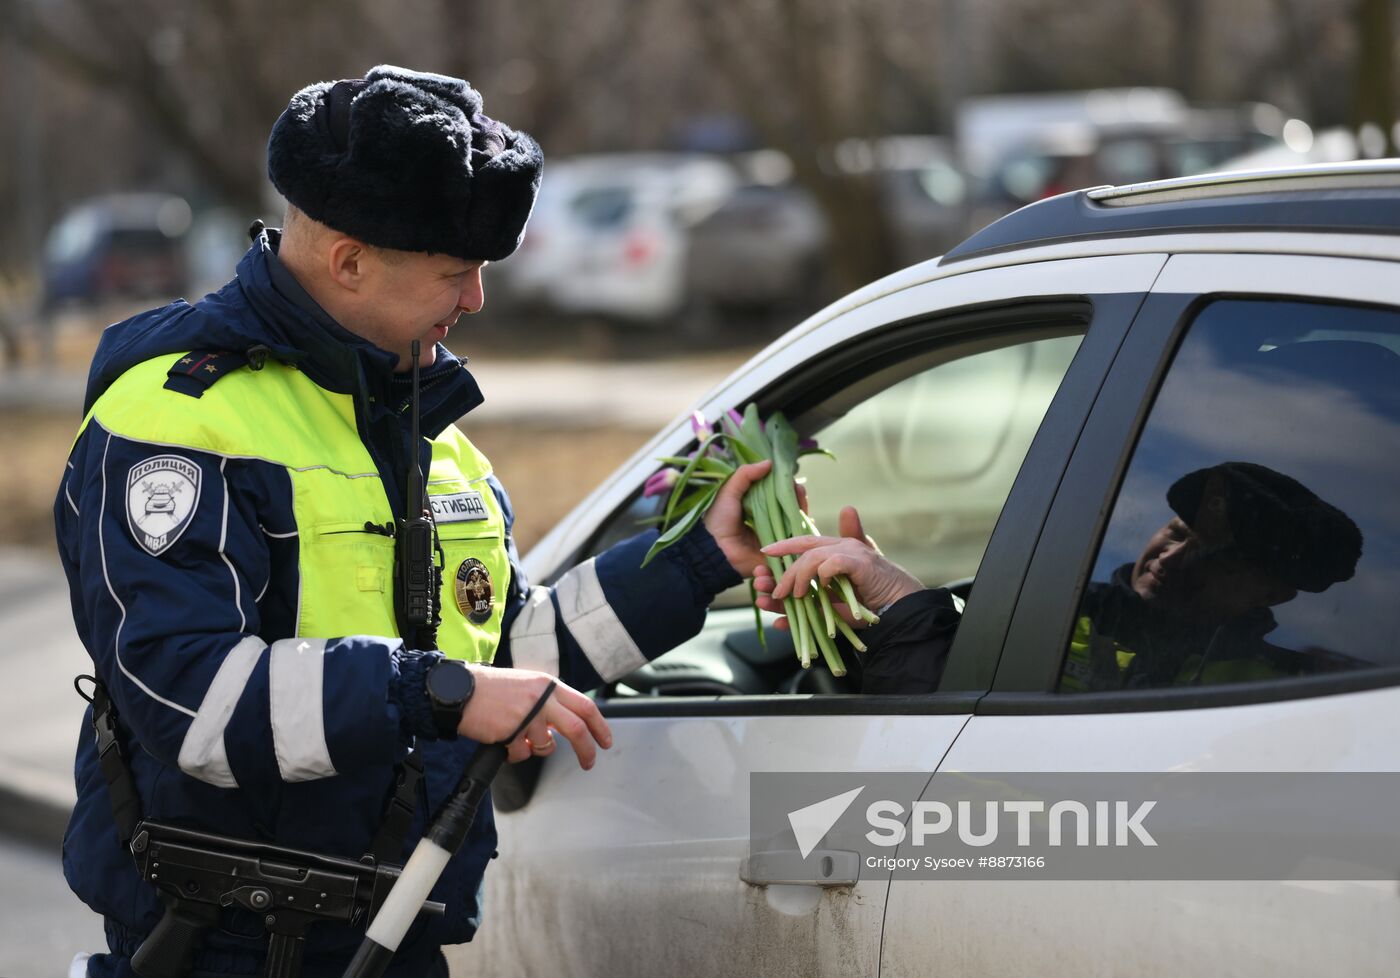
(1274, 521)
(406, 160)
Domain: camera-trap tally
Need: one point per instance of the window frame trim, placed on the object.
(1105, 319)
(1188, 697)
(792, 704)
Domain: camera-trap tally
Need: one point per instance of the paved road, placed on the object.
(42, 924)
(40, 714)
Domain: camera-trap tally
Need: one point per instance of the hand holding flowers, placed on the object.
(876, 580)
(744, 458)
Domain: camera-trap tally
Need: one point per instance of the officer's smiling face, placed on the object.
(1199, 575)
(410, 296)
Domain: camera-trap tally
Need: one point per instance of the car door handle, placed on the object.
(822, 867)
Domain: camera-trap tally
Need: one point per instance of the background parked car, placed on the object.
(1013, 417)
(765, 247)
(117, 246)
(1072, 156)
(760, 250)
(925, 193)
(608, 236)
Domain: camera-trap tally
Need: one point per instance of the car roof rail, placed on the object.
(1357, 197)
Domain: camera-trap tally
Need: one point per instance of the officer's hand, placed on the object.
(876, 580)
(725, 518)
(502, 699)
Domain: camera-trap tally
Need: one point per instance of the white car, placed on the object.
(1012, 418)
(608, 237)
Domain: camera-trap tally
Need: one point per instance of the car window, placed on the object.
(602, 207)
(140, 241)
(928, 441)
(1256, 533)
(926, 449)
(1128, 161)
(73, 236)
(1026, 177)
(930, 459)
(943, 184)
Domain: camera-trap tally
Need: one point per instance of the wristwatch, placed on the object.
(449, 685)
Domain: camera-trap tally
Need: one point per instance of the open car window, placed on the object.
(927, 447)
(929, 459)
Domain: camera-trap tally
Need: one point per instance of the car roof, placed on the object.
(134, 211)
(1361, 197)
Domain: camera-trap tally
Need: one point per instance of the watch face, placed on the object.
(450, 682)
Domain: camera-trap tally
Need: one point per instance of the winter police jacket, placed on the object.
(162, 618)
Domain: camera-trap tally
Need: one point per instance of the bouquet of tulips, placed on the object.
(772, 511)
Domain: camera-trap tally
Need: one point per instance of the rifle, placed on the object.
(199, 874)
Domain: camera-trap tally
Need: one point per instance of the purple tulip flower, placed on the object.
(661, 482)
(700, 426)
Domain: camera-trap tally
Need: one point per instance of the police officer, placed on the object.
(226, 522)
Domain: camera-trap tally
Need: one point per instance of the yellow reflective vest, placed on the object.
(345, 559)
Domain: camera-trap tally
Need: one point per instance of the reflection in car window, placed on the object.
(1256, 534)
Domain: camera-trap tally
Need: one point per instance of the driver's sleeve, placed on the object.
(608, 615)
(907, 651)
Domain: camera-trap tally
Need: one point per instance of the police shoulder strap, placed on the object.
(398, 817)
(126, 804)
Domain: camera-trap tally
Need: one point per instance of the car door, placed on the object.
(1254, 401)
(643, 866)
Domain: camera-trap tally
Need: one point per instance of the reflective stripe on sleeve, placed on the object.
(202, 752)
(533, 642)
(295, 676)
(594, 625)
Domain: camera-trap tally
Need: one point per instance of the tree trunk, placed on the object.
(1374, 98)
(782, 61)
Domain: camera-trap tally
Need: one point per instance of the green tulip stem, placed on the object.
(828, 613)
(857, 609)
(827, 646)
(850, 634)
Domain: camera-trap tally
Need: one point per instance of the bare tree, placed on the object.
(809, 74)
(554, 68)
(181, 96)
(1373, 98)
(209, 76)
(1191, 46)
